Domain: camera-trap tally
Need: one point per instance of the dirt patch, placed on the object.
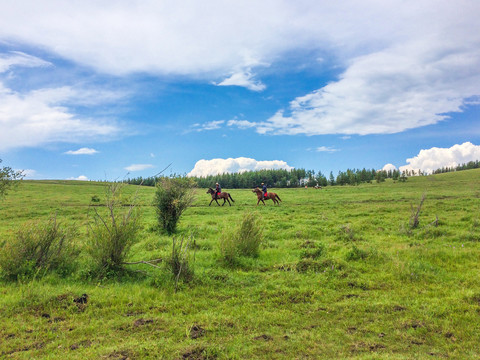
(399, 308)
(84, 344)
(120, 355)
(362, 347)
(196, 354)
(35, 346)
(414, 324)
(141, 322)
(83, 299)
(197, 331)
(81, 302)
(263, 337)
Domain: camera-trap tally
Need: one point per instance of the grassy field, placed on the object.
(340, 275)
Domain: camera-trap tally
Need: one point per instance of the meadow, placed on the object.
(341, 274)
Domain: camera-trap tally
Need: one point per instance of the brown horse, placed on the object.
(269, 196)
(223, 195)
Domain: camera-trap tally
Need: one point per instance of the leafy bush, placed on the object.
(245, 240)
(38, 247)
(173, 196)
(112, 233)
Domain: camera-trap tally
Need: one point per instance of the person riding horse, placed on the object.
(264, 191)
(218, 191)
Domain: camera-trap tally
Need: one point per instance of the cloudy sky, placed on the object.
(98, 90)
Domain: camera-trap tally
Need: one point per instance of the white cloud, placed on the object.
(210, 125)
(326, 149)
(28, 173)
(404, 64)
(242, 124)
(139, 167)
(429, 160)
(234, 165)
(42, 116)
(17, 58)
(82, 151)
(389, 167)
(244, 79)
(81, 178)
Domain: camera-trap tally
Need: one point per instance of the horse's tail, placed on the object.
(230, 196)
(278, 197)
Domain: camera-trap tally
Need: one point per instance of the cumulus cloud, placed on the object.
(389, 167)
(82, 151)
(81, 178)
(234, 165)
(244, 79)
(139, 167)
(429, 160)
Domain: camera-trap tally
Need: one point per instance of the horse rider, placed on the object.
(218, 190)
(264, 191)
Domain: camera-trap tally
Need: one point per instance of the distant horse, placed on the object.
(268, 196)
(224, 195)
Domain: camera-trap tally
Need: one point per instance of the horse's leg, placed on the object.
(211, 202)
(223, 201)
(217, 202)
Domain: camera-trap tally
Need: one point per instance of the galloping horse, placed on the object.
(223, 195)
(268, 196)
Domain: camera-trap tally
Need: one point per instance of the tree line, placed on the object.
(281, 178)
(466, 166)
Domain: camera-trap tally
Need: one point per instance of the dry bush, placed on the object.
(111, 233)
(38, 247)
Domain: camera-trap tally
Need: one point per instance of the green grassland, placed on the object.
(340, 275)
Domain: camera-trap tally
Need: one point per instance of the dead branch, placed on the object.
(148, 262)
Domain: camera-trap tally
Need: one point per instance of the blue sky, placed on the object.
(98, 90)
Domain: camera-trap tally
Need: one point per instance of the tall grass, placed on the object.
(243, 240)
(38, 247)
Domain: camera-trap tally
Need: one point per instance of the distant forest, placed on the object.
(299, 177)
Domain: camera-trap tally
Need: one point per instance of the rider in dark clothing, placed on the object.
(264, 190)
(218, 190)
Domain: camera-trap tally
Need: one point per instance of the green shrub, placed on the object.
(37, 248)
(244, 240)
(356, 254)
(112, 233)
(312, 250)
(173, 196)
